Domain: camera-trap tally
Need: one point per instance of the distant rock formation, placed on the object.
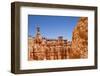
(41, 48)
(80, 39)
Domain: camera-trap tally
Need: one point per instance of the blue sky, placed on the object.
(52, 26)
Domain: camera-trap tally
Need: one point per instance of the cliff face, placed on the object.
(80, 39)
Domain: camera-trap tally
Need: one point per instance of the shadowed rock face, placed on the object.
(80, 39)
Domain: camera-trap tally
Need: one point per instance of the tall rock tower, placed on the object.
(80, 39)
(38, 37)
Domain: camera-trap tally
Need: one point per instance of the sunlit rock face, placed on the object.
(80, 39)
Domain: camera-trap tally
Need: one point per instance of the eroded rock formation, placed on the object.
(41, 48)
(80, 39)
